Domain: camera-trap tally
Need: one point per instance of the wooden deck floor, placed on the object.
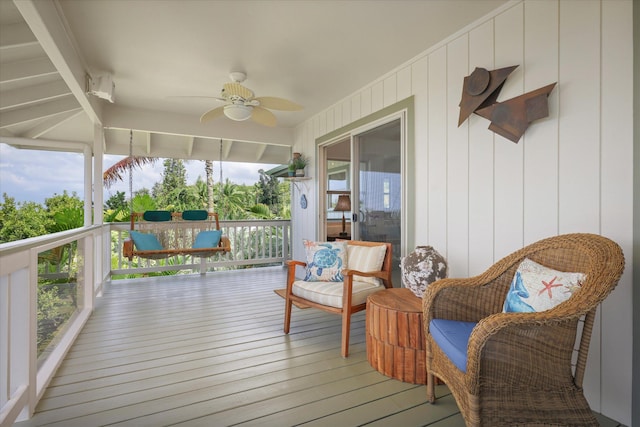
(209, 351)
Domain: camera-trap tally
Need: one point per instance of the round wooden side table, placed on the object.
(395, 337)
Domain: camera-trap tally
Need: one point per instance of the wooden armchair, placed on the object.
(519, 367)
(346, 297)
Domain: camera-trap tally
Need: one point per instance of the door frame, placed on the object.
(405, 111)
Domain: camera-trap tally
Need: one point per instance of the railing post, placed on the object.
(285, 242)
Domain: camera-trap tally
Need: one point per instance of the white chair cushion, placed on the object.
(366, 258)
(330, 293)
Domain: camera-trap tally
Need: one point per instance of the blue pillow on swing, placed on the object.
(145, 241)
(207, 239)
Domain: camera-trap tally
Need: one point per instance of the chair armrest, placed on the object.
(530, 338)
(468, 300)
(127, 248)
(291, 272)
(293, 263)
(225, 243)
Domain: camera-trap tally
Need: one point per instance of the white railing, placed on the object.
(253, 243)
(93, 256)
(25, 370)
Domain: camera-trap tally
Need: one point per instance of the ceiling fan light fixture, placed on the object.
(237, 112)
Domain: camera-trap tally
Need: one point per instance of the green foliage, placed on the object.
(261, 211)
(231, 201)
(66, 212)
(59, 202)
(300, 161)
(173, 193)
(56, 303)
(268, 191)
(48, 303)
(144, 202)
(67, 219)
(117, 202)
(21, 221)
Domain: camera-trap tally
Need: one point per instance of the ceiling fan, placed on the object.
(241, 104)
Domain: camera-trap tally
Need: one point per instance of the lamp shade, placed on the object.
(344, 203)
(237, 112)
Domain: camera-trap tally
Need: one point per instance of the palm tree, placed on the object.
(116, 171)
(232, 201)
(208, 168)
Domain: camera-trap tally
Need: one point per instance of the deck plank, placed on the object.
(209, 350)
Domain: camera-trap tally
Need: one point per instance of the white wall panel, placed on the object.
(419, 76)
(317, 128)
(377, 96)
(481, 154)
(437, 151)
(337, 116)
(479, 196)
(346, 112)
(389, 90)
(331, 122)
(366, 104)
(579, 198)
(356, 107)
(508, 165)
(540, 142)
(617, 198)
(403, 84)
(457, 161)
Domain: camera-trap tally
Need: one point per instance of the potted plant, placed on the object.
(291, 168)
(300, 162)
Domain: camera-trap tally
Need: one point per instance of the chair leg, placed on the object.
(346, 328)
(431, 390)
(287, 315)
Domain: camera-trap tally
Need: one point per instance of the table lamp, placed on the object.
(343, 205)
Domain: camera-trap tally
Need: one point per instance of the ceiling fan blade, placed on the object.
(278, 103)
(236, 89)
(263, 116)
(212, 114)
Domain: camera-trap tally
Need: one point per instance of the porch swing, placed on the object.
(162, 234)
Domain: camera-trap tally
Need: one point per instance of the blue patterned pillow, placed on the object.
(536, 288)
(325, 261)
(145, 241)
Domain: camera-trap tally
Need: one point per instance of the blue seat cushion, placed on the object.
(452, 336)
(207, 239)
(145, 241)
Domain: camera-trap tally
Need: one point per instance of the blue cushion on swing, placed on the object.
(145, 241)
(207, 239)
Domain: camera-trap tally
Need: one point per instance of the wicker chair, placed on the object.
(519, 368)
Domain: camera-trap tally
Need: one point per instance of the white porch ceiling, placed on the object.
(314, 52)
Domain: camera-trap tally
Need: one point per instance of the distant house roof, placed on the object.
(281, 171)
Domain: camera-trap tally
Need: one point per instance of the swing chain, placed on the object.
(131, 171)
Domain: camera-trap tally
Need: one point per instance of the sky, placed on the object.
(33, 175)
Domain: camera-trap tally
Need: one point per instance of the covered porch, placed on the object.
(209, 350)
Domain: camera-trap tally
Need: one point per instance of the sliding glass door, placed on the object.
(365, 173)
(377, 183)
